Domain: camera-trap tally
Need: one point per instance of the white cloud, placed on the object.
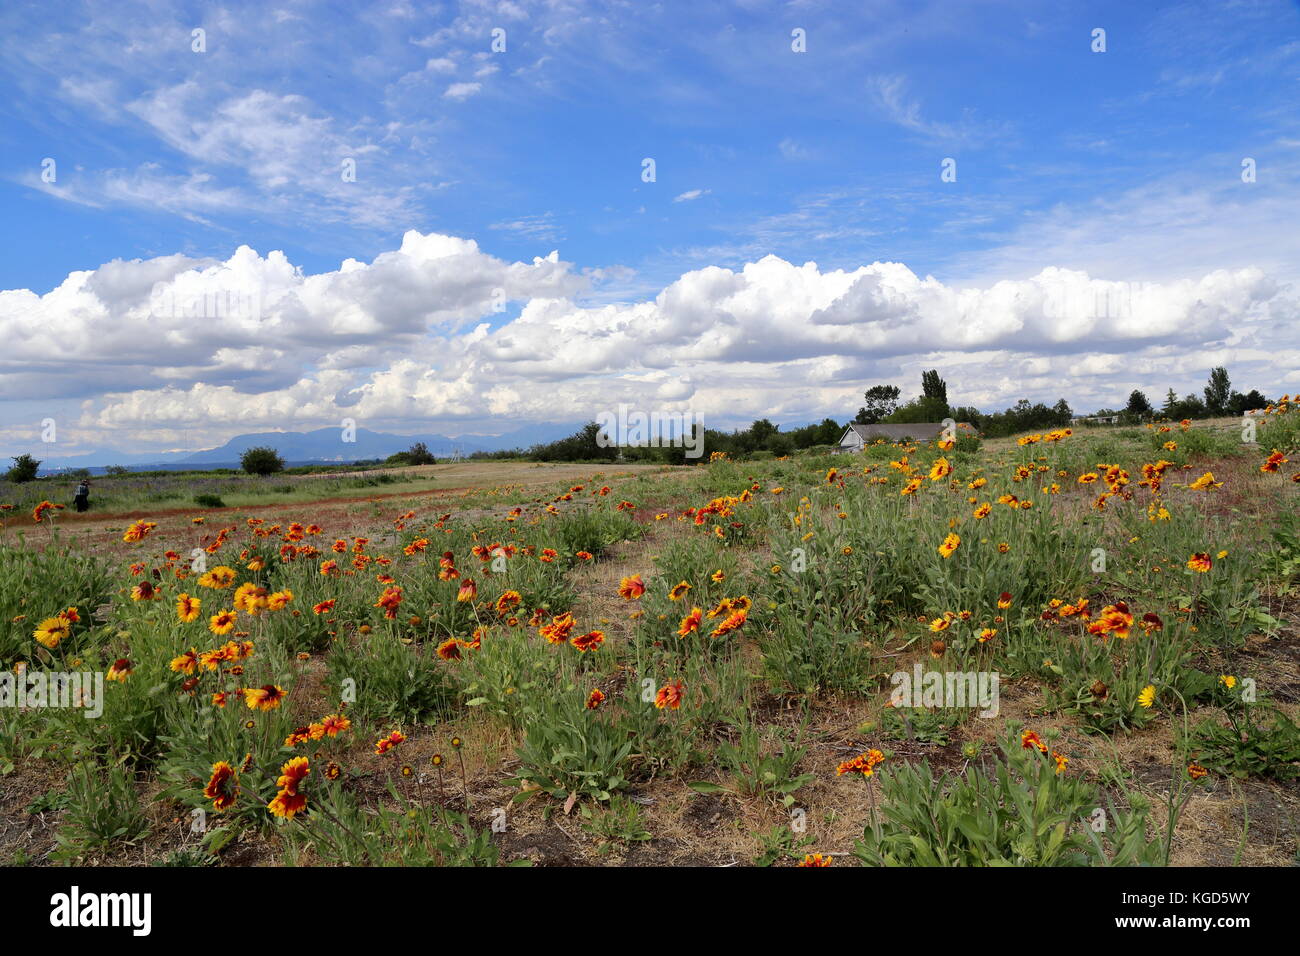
(691, 195)
(462, 91)
(412, 341)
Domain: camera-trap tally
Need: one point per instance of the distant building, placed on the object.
(857, 436)
(1096, 420)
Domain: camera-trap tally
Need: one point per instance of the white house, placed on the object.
(857, 436)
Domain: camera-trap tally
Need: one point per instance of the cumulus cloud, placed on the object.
(421, 339)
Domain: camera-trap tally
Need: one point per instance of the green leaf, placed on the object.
(708, 788)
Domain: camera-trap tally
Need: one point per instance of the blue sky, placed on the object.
(1122, 166)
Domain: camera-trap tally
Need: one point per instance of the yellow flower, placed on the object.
(1228, 681)
(1148, 696)
(52, 630)
(950, 545)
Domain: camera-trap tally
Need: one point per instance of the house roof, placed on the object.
(921, 431)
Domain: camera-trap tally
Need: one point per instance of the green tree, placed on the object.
(922, 409)
(419, 454)
(261, 460)
(882, 401)
(24, 469)
(1138, 407)
(932, 386)
(762, 430)
(1218, 392)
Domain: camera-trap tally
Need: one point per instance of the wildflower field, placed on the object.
(680, 665)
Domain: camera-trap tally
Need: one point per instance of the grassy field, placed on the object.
(760, 662)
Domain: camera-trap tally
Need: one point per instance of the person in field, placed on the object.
(82, 498)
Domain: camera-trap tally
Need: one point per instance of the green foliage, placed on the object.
(102, 811)
(27, 597)
(24, 469)
(397, 833)
(618, 823)
(1257, 741)
(392, 681)
(920, 724)
(209, 501)
(780, 843)
(1022, 814)
(572, 750)
(762, 762)
(261, 460)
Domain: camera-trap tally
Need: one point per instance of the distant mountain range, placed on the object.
(314, 447)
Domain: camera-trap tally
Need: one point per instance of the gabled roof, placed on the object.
(920, 431)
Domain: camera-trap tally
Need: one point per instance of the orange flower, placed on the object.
(732, 622)
(589, 641)
(1200, 562)
(691, 622)
(864, 764)
(389, 601)
(449, 650)
(1274, 462)
(1114, 619)
(468, 590)
(324, 607)
(1004, 600)
(631, 588)
(334, 724)
(815, 860)
(507, 602)
(678, 591)
(289, 801)
(138, 531)
(1029, 739)
(595, 699)
(385, 744)
(670, 696)
(222, 786)
(557, 632)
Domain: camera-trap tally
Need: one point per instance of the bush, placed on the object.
(24, 469)
(1023, 814)
(209, 501)
(419, 454)
(261, 461)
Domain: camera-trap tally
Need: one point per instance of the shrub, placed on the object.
(101, 813)
(24, 469)
(1025, 815)
(261, 461)
(392, 682)
(209, 501)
